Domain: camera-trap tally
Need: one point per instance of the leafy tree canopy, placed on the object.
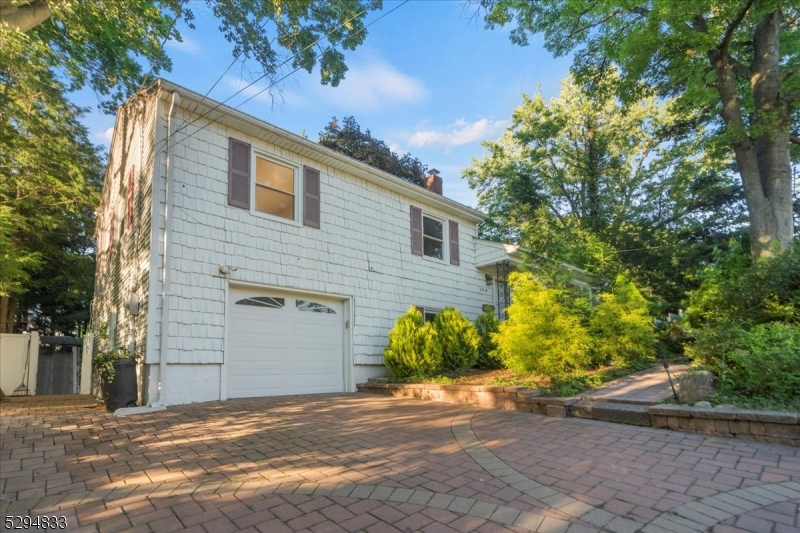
(731, 63)
(586, 180)
(50, 178)
(349, 140)
(104, 44)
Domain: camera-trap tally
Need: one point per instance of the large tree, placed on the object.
(50, 178)
(349, 140)
(583, 179)
(104, 44)
(733, 62)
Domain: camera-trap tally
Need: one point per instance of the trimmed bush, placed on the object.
(485, 325)
(414, 348)
(622, 328)
(458, 338)
(540, 335)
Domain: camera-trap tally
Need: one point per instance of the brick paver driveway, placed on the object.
(368, 463)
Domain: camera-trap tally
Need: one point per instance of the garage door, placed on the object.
(282, 343)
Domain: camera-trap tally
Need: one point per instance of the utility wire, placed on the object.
(219, 104)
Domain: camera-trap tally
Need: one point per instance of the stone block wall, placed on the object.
(775, 427)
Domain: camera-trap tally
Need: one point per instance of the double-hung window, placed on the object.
(433, 237)
(275, 186)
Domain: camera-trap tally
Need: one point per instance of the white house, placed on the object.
(238, 259)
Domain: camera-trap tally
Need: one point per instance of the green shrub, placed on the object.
(414, 348)
(458, 338)
(485, 325)
(735, 289)
(622, 328)
(762, 363)
(540, 335)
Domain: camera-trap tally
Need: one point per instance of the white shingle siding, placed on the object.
(363, 226)
(127, 266)
(362, 251)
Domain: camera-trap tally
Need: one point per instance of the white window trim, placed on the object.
(445, 239)
(296, 169)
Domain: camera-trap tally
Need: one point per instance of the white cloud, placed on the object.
(188, 46)
(459, 133)
(373, 85)
(104, 136)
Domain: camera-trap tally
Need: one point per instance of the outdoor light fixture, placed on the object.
(132, 304)
(225, 270)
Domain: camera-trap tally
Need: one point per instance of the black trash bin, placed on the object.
(122, 392)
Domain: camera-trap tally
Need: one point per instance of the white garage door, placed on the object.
(282, 343)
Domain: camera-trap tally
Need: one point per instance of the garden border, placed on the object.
(775, 427)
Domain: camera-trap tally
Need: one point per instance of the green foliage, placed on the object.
(487, 324)
(15, 263)
(104, 359)
(761, 364)
(414, 348)
(459, 340)
(703, 55)
(737, 290)
(540, 335)
(50, 175)
(622, 328)
(349, 140)
(105, 45)
(585, 180)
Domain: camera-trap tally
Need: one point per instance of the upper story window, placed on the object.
(275, 189)
(432, 238)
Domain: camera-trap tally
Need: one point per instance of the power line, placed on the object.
(219, 104)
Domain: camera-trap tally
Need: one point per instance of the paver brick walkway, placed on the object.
(367, 463)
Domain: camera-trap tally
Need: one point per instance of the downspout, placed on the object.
(165, 294)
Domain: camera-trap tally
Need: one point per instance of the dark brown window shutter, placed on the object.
(238, 173)
(455, 255)
(311, 197)
(416, 230)
(129, 199)
(421, 311)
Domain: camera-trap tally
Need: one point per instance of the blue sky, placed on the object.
(429, 79)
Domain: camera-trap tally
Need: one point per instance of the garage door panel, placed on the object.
(294, 349)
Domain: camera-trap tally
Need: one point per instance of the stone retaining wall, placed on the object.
(766, 426)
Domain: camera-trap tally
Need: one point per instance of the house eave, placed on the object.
(257, 128)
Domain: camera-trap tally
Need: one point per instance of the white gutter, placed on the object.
(165, 294)
(165, 256)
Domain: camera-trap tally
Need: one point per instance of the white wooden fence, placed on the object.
(19, 363)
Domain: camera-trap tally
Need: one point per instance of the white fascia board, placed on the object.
(217, 112)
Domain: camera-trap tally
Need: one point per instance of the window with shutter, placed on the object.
(238, 173)
(416, 230)
(455, 258)
(311, 197)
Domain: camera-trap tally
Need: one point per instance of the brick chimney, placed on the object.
(434, 182)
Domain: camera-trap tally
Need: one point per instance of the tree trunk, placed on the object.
(4, 314)
(8, 307)
(763, 161)
(771, 123)
(25, 15)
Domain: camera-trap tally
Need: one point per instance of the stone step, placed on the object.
(621, 413)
